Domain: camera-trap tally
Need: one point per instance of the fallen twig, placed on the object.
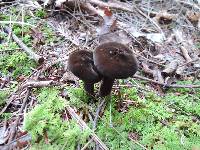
(151, 20)
(113, 4)
(24, 138)
(9, 101)
(39, 84)
(167, 85)
(136, 142)
(32, 55)
(84, 126)
(100, 106)
(16, 22)
(86, 145)
(14, 127)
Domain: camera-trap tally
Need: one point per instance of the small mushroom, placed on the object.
(81, 64)
(114, 61)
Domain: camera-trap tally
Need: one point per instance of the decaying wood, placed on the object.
(32, 55)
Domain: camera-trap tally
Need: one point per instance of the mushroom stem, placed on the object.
(106, 86)
(89, 88)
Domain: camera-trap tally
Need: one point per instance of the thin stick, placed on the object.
(97, 113)
(47, 83)
(13, 128)
(167, 85)
(16, 22)
(86, 145)
(84, 126)
(33, 55)
(113, 4)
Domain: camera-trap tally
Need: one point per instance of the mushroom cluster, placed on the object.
(114, 61)
(108, 62)
(81, 64)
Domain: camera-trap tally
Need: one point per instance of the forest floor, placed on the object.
(44, 106)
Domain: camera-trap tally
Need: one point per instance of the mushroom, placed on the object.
(81, 64)
(113, 60)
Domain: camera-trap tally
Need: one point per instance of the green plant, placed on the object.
(78, 96)
(3, 97)
(40, 13)
(197, 45)
(46, 117)
(17, 63)
(154, 119)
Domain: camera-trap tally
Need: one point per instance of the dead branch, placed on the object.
(84, 126)
(89, 8)
(166, 85)
(32, 54)
(39, 84)
(9, 101)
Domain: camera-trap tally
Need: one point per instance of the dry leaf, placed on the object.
(108, 24)
(193, 16)
(164, 17)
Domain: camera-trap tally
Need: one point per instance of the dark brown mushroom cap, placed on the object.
(115, 60)
(81, 64)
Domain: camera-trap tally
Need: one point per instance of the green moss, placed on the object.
(41, 13)
(46, 117)
(17, 63)
(3, 97)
